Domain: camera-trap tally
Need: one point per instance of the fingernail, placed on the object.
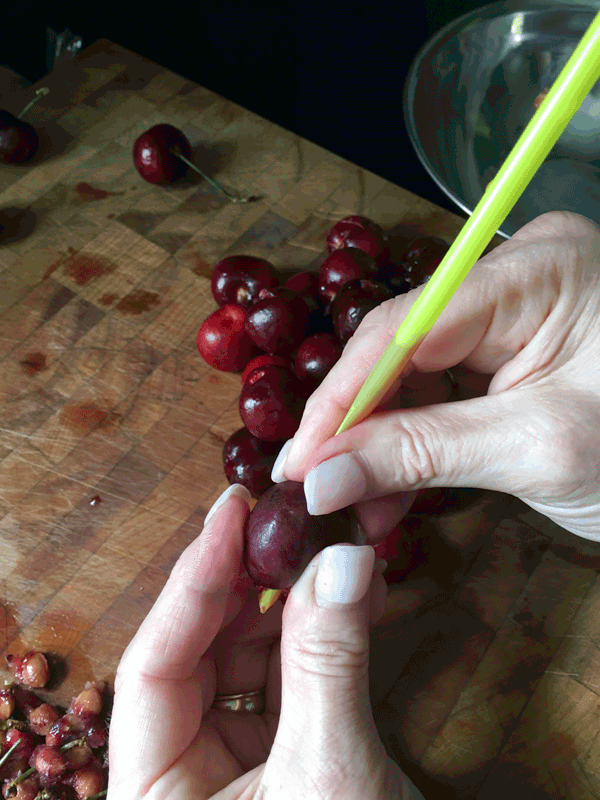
(236, 489)
(344, 574)
(334, 484)
(277, 471)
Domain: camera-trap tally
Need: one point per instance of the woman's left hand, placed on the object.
(205, 635)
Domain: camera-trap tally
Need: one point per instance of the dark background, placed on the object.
(331, 72)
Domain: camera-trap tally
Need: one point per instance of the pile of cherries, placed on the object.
(48, 753)
(285, 336)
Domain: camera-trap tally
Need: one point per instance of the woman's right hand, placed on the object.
(527, 314)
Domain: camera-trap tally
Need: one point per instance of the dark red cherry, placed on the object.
(352, 304)
(422, 257)
(223, 342)
(154, 154)
(249, 461)
(279, 322)
(262, 361)
(239, 279)
(342, 266)
(281, 537)
(359, 232)
(315, 357)
(271, 407)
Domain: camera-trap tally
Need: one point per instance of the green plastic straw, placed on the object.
(566, 95)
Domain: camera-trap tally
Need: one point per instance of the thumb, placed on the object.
(326, 727)
(499, 442)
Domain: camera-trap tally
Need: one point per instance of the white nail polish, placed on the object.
(344, 574)
(277, 471)
(236, 489)
(334, 484)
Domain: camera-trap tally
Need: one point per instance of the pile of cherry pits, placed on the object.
(48, 753)
(285, 337)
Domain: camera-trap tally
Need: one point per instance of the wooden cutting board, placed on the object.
(486, 669)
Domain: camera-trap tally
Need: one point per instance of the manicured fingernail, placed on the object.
(236, 489)
(334, 484)
(277, 471)
(344, 574)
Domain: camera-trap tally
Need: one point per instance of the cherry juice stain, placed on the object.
(86, 417)
(59, 262)
(87, 193)
(82, 268)
(138, 301)
(95, 500)
(108, 299)
(34, 363)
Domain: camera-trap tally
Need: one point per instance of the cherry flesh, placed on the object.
(281, 537)
(223, 342)
(239, 279)
(278, 322)
(359, 232)
(249, 461)
(315, 357)
(154, 154)
(260, 362)
(353, 303)
(271, 407)
(342, 266)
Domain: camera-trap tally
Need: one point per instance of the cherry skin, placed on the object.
(353, 303)
(249, 461)
(239, 279)
(223, 342)
(271, 407)
(278, 322)
(154, 154)
(342, 266)
(422, 257)
(315, 357)
(359, 232)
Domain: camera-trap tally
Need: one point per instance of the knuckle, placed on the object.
(413, 457)
(331, 656)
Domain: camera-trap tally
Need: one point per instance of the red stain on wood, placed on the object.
(34, 363)
(95, 500)
(82, 269)
(87, 192)
(138, 301)
(59, 262)
(85, 417)
(202, 268)
(108, 299)
(214, 379)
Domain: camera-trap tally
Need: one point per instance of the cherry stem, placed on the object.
(39, 93)
(268, 598)
(20, 778)
(216, 185)
(100, 794)
(9, 751)
(73, 743)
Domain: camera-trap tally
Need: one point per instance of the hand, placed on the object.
(317, 738)
(528, 316)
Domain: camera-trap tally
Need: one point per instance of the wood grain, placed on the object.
(485, 673)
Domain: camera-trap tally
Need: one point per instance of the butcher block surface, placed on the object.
(485, 671)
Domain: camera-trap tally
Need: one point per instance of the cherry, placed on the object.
(27, 789)
(7, 704)
(281, 537)
(278, 322)
(88, 781)
(19, 141)
(315, 357)
(342, 266)
(77, 726)
(87, 701)
(260, 362)
(154, 154)
(50, 762)
(249, 461)
(223, 342)
(359, 232)
(352, 304)
(307, 284)
(30, 669)
(42, 718)
(239, 279)
(25, 745)
(422, 257)
(271, 407)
